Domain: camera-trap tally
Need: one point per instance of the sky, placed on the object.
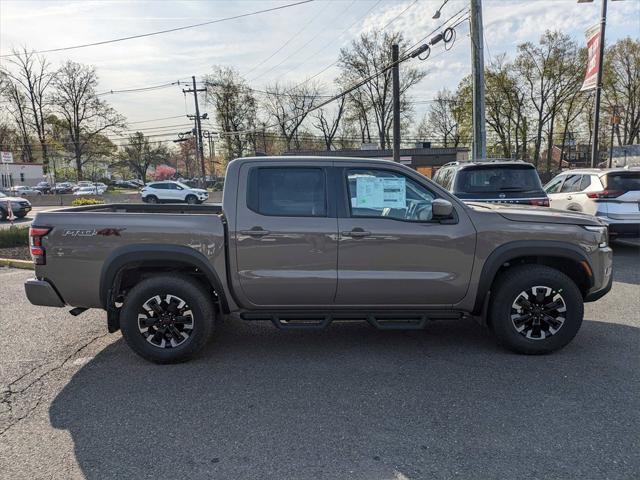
(298, 42)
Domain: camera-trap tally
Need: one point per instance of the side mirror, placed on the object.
(441, 208)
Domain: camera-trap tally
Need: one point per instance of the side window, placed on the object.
(287, 192)
(585, 183)
(571, 184)
(554, 185)
(383, 193)
(155, 186)
(447, 178)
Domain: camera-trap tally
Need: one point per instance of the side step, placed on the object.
(385, 320)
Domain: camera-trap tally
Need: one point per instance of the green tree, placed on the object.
(139, 155)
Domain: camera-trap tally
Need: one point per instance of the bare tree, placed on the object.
(328, 123)
(31, 77)
(622, 86)
(289, 106)
(139, 155)
(443, 120)
(236, 110)
(541, 70)
(85, 115)
(371, 55)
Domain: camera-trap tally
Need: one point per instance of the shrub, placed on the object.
(79, 202)
(14, 237)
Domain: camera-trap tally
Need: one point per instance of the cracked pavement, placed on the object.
(349, 402)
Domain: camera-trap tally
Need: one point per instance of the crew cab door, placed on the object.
(391, 250)
(286, 235)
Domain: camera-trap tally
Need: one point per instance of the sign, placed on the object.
(593, 58)
(6, 157)
(380, 192)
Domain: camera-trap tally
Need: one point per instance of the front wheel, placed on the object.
(535, 309)
(151, 199)
(191, 199)
(167, 319)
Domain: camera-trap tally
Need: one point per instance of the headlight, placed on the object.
(602, 234)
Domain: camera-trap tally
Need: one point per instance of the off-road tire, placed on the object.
(505, 293)
(198, 301)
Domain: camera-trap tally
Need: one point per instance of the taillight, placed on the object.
(35, 243)
(539, 202)
(605, 194)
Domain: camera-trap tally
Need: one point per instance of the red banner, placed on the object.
(593, 58)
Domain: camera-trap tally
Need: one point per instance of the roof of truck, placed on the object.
(292, 158)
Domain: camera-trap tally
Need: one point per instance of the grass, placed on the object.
(14, 237)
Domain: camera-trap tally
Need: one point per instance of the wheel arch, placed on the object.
(143, 258)
(565, 257)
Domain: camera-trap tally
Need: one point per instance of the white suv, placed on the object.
(170, 191)
(613, 195)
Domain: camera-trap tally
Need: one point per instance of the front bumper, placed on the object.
(601, 263)
(41, 292)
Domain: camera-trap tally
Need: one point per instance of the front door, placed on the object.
(392, 252)
(286, 238)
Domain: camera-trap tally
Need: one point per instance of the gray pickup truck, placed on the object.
(303, 242)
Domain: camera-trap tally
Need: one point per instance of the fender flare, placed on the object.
(523, 248)
(164, 255)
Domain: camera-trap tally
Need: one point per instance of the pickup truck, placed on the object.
(306, 241)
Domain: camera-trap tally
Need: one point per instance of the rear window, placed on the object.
(623, 181)
(508, 178)
(287, 192)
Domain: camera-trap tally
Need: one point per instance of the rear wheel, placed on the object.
(535, 309)
(167, 319)
(191, 199)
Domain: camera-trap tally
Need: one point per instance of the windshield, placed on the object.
(507, 178)
(623, 181)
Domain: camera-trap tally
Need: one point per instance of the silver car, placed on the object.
(611, 194)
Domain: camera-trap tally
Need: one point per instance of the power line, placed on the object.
(304, 45)
(160, 32)
(140, 89)
(266, 59)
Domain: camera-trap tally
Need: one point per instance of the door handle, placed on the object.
(569, 197)
(356, 233)
(255, 232)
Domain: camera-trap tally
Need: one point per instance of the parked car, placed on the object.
(89, 190)
(305, 241)
(63, 187)
(126, 184)
(613, 195)
(21, 190)
(43, 187)
(19, 206)
(171, 191)
(493, 181)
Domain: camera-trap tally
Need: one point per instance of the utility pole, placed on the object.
(596, 117)
(395, 71)
(199, 147)
(477, 56)
(615, 122)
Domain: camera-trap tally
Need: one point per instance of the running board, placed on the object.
(385, 320)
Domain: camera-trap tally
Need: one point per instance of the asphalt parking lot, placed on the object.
(349, 402)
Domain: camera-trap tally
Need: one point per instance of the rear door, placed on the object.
(391, 251)
(286, 235)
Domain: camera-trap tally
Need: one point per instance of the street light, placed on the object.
(437, 14)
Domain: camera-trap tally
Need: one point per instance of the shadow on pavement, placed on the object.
(352, 402)
(626, 262)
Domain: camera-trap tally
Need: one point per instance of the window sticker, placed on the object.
(380, 192)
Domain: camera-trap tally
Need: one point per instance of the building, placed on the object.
(573, 156)
(20, 173)
(422, 158)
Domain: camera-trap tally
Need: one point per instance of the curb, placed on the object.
(23, 264)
